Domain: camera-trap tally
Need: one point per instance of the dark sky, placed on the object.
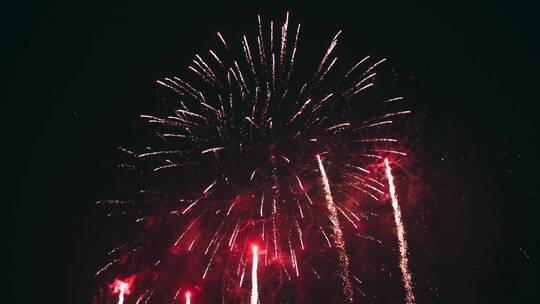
(78, 74)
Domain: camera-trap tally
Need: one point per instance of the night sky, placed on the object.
(78, 75)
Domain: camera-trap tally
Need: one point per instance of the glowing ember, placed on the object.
(403, 251)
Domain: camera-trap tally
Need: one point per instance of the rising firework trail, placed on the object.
(121, 293)
(231, 164)
(254, 283)
(403, 250)
(122, 288)
(337, 235)
(188, 297)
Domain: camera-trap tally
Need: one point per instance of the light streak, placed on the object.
(254, 282)
(337, 235)
(403, 251)
(188, 297)
(122, 288)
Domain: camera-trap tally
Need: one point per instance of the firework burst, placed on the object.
(255, 163)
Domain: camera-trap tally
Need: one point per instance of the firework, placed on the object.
(251, 151)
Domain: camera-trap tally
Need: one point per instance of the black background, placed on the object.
(78, 74)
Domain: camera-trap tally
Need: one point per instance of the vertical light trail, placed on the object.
(403, 251)
(254, 283)
(121, 287)
(337, 234)
(122, 291)
(188, 297)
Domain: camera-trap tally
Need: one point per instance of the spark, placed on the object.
(191, 205)
(299, 234)
(185, 231)
(192, 243)
(212, 150)
(300, 209)
(356, 65)
(325, 237)
(242, 276)
(394, 99)
(396, 114)
(232, 205)
(376, 124)
(211, 259)
(347, 217)
(222, 40)
(262, 205)
(109, 264)
(403, 251)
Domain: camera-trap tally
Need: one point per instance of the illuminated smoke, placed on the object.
(254, 283)
(403, 261)
(337, 235)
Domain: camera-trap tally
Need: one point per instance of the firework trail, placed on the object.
(232, 164)
(121, 294)
(254, 283)
(188, 297)
(122, 288)
(403, 251)
(337, 235)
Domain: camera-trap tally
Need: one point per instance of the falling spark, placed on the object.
(337, 235)
(254, 283)
(403, 251)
